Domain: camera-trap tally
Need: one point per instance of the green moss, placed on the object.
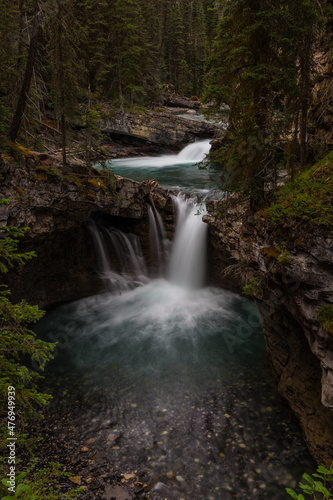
(25, 151)
(253, 287)
(309, 198)
(49, 173)
(97, 182)
(325, 317)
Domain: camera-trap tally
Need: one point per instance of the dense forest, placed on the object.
(71, 52)
(61, 59)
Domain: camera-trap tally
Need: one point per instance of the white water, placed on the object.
(186, 262)
(188, 256)
(193, 153)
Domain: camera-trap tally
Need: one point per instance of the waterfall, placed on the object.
(188, 256)
(155, 240)
(185, 264)
(100, 248)
(192, 153)
(128, 251)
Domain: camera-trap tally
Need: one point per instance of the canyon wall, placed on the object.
(292, 273)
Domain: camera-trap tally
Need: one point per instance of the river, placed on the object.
(166, 376)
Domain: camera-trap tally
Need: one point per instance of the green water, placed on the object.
(169, 376)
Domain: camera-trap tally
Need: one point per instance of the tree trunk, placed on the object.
(16, 123)
(294, 143)
(62, 93)
(305, 76)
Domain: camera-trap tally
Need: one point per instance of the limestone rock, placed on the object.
(160, 128)
(300, 353)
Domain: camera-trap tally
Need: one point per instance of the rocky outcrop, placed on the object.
(292, 272)
(164, 129)
(176, 101)
(56, 208)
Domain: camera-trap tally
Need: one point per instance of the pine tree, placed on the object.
(63, 68)
(255, 69)
(22, 100)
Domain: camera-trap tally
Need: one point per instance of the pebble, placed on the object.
(129, 476)
(169, 474)
(91, 440)
(180, 479)
(89, 480)
(76, 480)
(84, 449)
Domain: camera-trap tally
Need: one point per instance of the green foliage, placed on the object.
(257, 64)
(19, 345)
(9, 256)
(309, 198)
(21, 354)
(283, 254)
(317, 489)
(325, 316)
(108, 177)
(253, 287)
(40, 484)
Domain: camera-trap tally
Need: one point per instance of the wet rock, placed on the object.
(57, 215)
(300, 353)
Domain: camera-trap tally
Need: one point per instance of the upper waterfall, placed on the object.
(192, 153)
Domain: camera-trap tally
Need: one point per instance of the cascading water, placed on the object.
(188, 256)
(172, 171)
(168, 378)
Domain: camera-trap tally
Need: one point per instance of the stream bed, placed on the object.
(164, 379)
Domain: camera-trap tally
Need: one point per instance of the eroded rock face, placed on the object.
(57, 210)
(163, 129)
(294, 269)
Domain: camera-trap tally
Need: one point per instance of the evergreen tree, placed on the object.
(255, 69)
(22, 100)
(63, 69)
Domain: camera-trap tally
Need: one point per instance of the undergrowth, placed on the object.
(308, 198)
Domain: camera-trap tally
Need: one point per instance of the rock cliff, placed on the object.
(292, 277)
(56, 208)
(158, 128)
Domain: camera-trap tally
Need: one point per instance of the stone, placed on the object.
(164, 129)
(169, 474)
(129, 476)
(76, 480)
(116, 492)
(84, 449)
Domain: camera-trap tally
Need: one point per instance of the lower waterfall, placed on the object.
(164, 379)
